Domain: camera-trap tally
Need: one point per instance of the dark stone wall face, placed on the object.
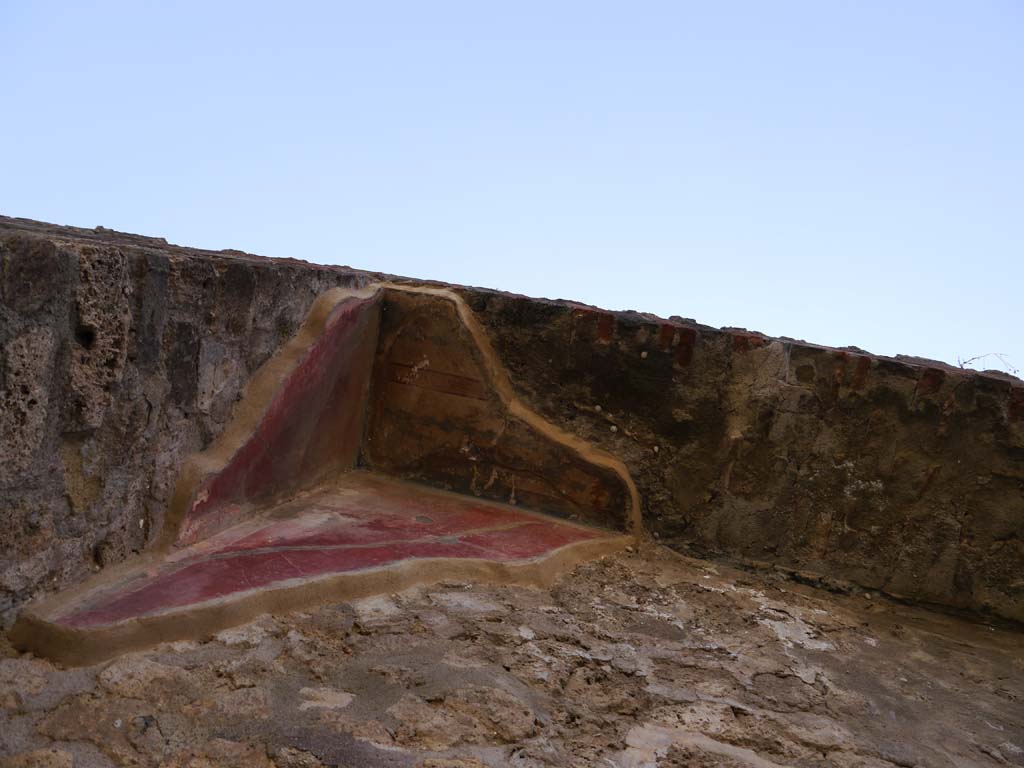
(120, 355)
(905, 477)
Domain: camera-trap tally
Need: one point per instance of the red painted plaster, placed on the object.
(366, 522)
(297, 443)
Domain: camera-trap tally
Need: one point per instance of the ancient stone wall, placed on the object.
(119, 355)
(905, 476)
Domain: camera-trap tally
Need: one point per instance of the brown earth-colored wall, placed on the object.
(898, 475)
(120, 355)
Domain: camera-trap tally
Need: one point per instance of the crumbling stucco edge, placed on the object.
(80, 647)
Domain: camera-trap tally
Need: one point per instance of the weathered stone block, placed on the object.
(27, 365)
(100, 339)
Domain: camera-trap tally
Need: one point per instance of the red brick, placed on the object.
(687, 341)
(1017, 404)
(930, 381)
(666, 335)
(605, 328)
(743, 342)
(860, 373)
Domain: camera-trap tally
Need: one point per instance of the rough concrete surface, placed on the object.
(643, 659)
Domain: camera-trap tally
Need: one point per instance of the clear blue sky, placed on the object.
(844, 172)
